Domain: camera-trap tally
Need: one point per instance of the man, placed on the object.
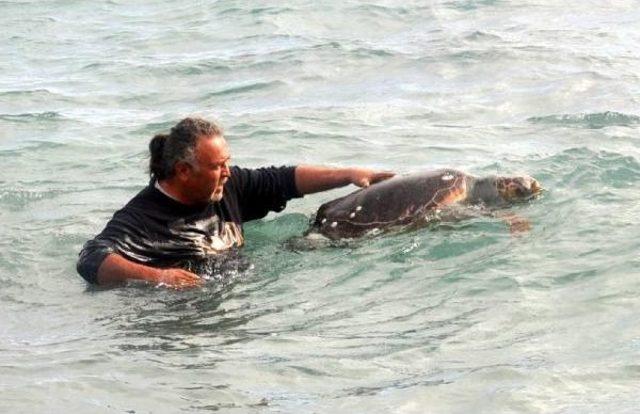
(194, 207)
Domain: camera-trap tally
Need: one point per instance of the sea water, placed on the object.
(457, 318)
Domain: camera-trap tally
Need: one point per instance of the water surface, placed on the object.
(455, 319)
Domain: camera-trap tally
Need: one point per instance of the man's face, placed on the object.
(206, 180)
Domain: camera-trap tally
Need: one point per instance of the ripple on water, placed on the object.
(594, 120)
(447, 317)
(18, 198)
(586, 170)
(49, 116)
(246, 89)
(27, 93)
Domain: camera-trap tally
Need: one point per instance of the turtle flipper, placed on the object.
(517, 224)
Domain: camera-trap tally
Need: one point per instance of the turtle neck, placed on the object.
(484, 190)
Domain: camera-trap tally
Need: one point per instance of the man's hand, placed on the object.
(178, 279)
(364, 177)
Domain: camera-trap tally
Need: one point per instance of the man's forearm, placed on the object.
(312, 178)
(115, 269)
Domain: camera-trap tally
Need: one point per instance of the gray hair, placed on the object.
(178, 146)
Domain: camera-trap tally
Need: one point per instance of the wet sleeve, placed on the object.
(91, 256)
(263, 190)
(113, 239)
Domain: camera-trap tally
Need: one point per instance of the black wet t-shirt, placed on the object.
(156, 230)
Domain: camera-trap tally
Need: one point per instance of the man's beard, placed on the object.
(217, 195)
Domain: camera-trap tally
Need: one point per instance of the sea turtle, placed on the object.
(418, 199)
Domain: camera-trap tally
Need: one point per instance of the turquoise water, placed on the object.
(459, 318)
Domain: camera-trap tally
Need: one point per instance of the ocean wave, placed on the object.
(477, 35)
(356, 50)
(26, 92)
(381, 11)
(18, 198)
(259, 11)
(240, 89)
(153, 128)
(470, 5)
(32, 116)
(195, 68)
(594, 120)
(96, 66)
(585, 168)
(469, 56)
(33, 145)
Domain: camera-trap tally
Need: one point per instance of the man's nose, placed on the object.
(226, 170)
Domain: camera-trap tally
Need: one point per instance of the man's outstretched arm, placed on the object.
(312, 179)
(115, 269)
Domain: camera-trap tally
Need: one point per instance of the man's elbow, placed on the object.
(85, 270)
(88, 264)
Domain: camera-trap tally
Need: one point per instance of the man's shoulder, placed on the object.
(149, 202)
(264, 188)
(144, 197)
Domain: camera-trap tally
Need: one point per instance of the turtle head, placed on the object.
(517, 188)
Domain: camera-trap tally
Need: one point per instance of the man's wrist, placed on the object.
(151, 274)
(117, 269)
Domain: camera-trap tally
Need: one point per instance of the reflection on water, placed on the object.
(161, 319)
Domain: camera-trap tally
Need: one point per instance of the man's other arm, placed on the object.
(313, 179)
(115, 269)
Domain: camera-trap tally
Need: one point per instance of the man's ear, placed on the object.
(182, 170)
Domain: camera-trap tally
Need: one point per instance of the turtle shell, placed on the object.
(394, 202)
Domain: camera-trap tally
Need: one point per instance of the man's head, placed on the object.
(193, 158)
